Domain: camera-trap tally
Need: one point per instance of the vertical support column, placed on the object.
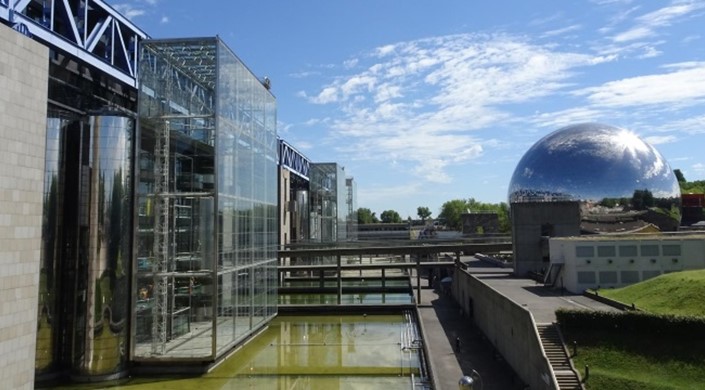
(384, 279)
(340, 281)
(418, 279)
(160, 249)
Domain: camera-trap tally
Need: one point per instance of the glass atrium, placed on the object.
(206, 238)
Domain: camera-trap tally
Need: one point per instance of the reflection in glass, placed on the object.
(48, 327)
(622, 183)
(207, 228)
(102, 300)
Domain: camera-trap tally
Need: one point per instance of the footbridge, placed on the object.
(336, 261)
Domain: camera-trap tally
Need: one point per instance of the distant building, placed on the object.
(693, 205)
(606, 261)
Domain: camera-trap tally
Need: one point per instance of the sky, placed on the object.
(425, 101)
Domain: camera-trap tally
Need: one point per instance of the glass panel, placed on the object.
(175, 258)
(246, 155)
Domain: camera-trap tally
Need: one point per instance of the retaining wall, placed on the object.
(508, 326)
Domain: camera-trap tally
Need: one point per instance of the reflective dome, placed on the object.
(621, 182)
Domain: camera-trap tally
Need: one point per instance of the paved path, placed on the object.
(442, 323)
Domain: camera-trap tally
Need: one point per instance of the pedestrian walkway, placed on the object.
(444, 326)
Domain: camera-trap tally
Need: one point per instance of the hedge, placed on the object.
(632, 322)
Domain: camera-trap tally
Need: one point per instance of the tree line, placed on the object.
(450, 213)
(689, 187)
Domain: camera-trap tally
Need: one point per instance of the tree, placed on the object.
(451, 212)
(679, 176)
(390, 216)
(365, 215)
(423, 213)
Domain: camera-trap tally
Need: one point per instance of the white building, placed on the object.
(604, 261)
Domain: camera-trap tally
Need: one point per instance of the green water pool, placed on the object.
(353, 351)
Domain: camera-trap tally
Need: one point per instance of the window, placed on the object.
(608, 277)
(586, 277)
(671, 250)
(606, 251)
(630, 277)
(584, 251)
(649, 250)
(627, 251)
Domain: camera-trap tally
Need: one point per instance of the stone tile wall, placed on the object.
(23, 103)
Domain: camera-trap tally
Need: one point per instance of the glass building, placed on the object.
(329, 208)
(206, 234)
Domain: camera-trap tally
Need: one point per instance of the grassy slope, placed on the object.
(678, 293)
(645, 364)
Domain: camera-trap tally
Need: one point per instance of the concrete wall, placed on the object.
(531, 221)
(23, 102)
(508, 326)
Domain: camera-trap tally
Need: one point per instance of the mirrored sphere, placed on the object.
(622, 183)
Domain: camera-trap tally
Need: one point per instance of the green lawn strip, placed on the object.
(638, 362)
(678, 293)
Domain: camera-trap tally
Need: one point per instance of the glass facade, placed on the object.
(207, 224)
(330, 212)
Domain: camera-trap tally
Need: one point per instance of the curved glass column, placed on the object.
(48, 324)
(102, 297)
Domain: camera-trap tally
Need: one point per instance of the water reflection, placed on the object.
(311, 352)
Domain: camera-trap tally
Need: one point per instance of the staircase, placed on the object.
(560, 362)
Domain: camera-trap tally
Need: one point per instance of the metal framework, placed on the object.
(161, 241)
(291, 159)
(90, 30)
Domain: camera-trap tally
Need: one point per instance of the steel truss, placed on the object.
(293, 160)
(89, 29)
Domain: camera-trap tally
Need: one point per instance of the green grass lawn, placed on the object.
(645, 362)
(638, 362)
(678, 293)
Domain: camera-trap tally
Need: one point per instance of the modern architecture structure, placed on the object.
(206, 234)
(332, 204)
(595, 206)
(588, 178)
(141, 203)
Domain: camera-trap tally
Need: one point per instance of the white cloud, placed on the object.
(650, 52)
(557, 119)
(692, 125)
(129, 11)
(164, 20)
(561, 31)
(683, 87)
(660, 139)
(647, 24)
(417, 102)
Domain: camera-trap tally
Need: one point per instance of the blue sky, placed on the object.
(428, 101)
